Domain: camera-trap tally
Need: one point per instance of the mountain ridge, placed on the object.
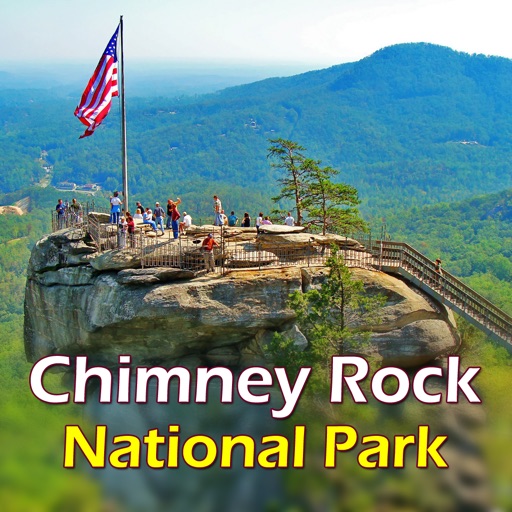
(396, 124)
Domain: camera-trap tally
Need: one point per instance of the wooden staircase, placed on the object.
(402, 259)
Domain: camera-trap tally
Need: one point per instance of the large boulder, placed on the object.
(248, 259)
(277, 229)
(60, 249)
(409, 330)
(79, 301)
(300, 239)
(118, 259)
(108, 316)
(10, 210)
(145, 276)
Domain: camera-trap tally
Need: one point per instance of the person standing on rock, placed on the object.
(217, 208)
(159, 216)
(76, 211)
(169, 213)
(61, 213)
(122, 228)
(209, 260)
(115, 210)
(130, 224)
(175, 218)
(259, 221)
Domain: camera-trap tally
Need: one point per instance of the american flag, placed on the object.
(102, 87)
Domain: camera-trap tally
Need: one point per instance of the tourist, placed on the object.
(147, 218)
(246, 221)
(121, 232)
(140, 207)
(186, 223)
(138, 215)
(61, 213)
(266, 221)
(223, 218)
(130, 228)
(169, 213)
(175, 218)
(115, 208)
(438, 273)
(232, 219)
(289, 221)
(75, 209)
(259, 221)
(209, 260)
(159, 216)
(217, 208)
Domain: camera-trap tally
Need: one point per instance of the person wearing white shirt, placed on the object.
(186, 222)
(115, 209)
(147, 218)
(259, 221)
(289, 221)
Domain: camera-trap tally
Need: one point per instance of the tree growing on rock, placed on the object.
(329, 206)
(335, 318)
(288, 156)
(318, 200)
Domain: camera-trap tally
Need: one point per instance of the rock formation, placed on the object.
(81, 302)
(10, 210)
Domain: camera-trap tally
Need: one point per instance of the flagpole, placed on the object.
(123, 125)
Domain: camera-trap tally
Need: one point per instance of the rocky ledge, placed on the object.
(75, 303)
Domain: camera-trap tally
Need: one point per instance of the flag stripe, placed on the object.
(101, 88)
(98, 91)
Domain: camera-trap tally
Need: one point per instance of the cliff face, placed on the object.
(79, 302)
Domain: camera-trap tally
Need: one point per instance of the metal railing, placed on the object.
(183, 252)
(231, 254)
(72, 218)
(445, 287)
(186, 253)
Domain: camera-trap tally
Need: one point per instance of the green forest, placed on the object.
(412, 124)
(472, 237)
(422, 132)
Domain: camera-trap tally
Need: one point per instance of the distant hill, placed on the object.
(409, 125)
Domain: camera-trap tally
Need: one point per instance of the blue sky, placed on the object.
(318, 33)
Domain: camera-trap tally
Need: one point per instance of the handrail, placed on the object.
(482, 311)
(419, 269)
(446, 276)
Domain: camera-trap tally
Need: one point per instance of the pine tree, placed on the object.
(335, 318)
(288, 156)
(330, 206)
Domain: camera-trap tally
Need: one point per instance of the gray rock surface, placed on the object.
(143, 276)
(103, 305)
(280, 229)
(250, 259)
(115, 260)
(411, 329)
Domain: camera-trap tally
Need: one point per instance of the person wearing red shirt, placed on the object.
(172, 206)
(208, 244)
